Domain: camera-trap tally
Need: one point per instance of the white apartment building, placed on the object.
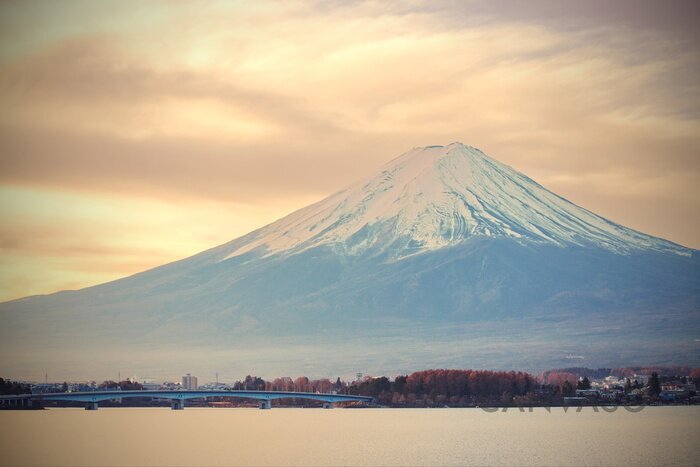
(189, 382)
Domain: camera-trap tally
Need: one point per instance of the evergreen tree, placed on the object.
(567, 389)
(583, 383)
(628, 386)
(654, 385)
(13, 387)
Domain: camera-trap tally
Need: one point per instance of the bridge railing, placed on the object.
(178, 397)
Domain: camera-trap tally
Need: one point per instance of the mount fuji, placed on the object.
(445, 258)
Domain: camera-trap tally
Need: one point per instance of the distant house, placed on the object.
(151, 385)
(678, 386)
(610, 381)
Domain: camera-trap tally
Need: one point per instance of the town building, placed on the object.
(189, 382)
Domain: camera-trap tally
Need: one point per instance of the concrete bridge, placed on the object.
(177, 398)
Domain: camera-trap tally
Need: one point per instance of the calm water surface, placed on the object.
(158, 436)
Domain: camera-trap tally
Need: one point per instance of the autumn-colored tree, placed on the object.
(439, 387)
(322, 385)
(128, 385)
(557, 378)
(109, 384)
(284, 383)
(301, 384)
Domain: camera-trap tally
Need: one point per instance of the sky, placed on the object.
(137, 133)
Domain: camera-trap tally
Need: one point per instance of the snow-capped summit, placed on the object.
(435, 196)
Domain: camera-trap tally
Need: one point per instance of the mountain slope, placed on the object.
(446, 258)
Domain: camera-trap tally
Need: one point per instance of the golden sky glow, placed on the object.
(136, 133)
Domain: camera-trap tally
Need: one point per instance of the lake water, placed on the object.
(159, 436)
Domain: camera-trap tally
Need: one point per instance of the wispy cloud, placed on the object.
(272, 105)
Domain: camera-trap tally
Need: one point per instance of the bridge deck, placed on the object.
(178, 397)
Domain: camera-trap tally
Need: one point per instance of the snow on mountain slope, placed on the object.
(437, 196)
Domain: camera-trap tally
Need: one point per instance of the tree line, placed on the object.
(428, 388)
(447, 387)
(8, 387)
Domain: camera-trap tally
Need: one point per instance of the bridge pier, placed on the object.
(24, 403)
(91, 406)
(265, 404)
(328, 405)
(178, 404)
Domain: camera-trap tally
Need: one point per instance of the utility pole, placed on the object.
(217, 379)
